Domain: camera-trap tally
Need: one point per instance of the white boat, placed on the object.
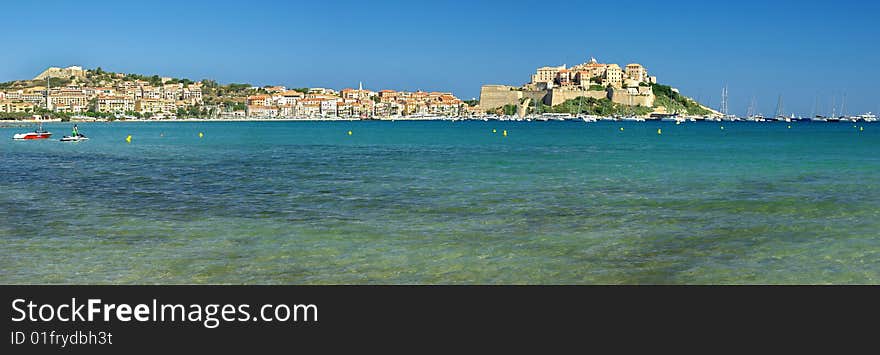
(79, 138)
(868, 117)
(632, 119)
(587, 118)
(730, 118)
(756, 118)
(555, 116)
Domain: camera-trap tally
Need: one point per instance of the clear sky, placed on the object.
(799, 49)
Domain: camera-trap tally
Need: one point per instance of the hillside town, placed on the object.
(353, 103)
(77, 92)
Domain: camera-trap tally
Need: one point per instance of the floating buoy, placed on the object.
(789, 127)
(161, 134)
(621, 128)
(201, 134)
(659, 131)
(494, 131)
(677, 122)
(349, 133)
(128, 139)
(504, 133)
(722, 128)
(861, 128)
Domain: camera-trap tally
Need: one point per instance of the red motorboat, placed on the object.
(39, 133)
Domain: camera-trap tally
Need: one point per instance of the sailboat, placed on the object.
(833, 117)
(780, 112)
(817, 117)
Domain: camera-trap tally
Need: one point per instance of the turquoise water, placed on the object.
(442, 202)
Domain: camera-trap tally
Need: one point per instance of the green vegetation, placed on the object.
(58, 82)
(154, 80)
(597, 88)
(472, 102)
(98, 114)
(598, 107)
(508, 109)
(675, 102)
(15, 115)
(234, 106)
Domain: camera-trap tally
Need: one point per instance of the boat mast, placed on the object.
(833, 106)
(779, 107)
(749, 110)
(724, 100)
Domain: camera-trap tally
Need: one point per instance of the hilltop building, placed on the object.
(553, 85)
(53, 72)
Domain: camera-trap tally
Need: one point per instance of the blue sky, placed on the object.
(799, 49)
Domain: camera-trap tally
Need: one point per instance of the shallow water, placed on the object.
(442, 202)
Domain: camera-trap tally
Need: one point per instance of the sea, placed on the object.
(439, 202)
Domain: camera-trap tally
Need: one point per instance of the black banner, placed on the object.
(331, 319)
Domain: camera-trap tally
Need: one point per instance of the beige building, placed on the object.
(16, 106)
(613, 76)
(69, 101)
(636, 72)
(546, 74)
(593, 68)
(154, 106)
(115, 103)
(37, 98)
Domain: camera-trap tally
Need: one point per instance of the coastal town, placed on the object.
(80, 93)
(589, 91)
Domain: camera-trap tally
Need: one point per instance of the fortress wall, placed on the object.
(494, 96)
(54, 72)
(625, 98)
(558, 96)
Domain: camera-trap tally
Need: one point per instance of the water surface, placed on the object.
(442, 202)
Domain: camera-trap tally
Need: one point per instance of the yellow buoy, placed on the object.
(128, 139)
(861, 128)
(349, 133)
(722, 128)
(494, 131)
(504, 133)
(677, 122)
(659, 131)
(621, 128)
(201, 134)
(789, 127)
